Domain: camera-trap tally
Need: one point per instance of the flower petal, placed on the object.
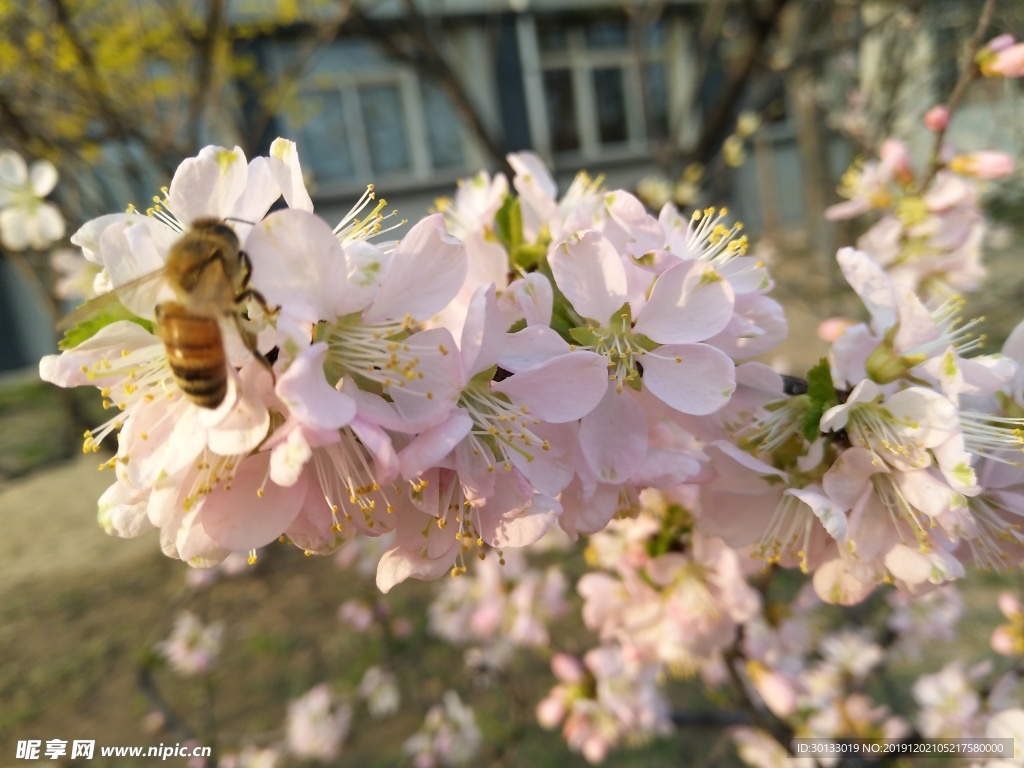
(613, 437)
(520, 528)
(307, 394)
(298, 264)
(872, 285)
(253, 202)
(689, 302)
(483, 333)
(284, 164)
(431, 446)
(530, 347)
(692, 378)
(208, 184)
(398, 564)
(42, 177)
(589, 271)
(253, 512)
(426, 272)
(425, 399)
(560, 390)
(13, 169)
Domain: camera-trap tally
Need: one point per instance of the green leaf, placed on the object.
(98, 313)
(508, 224)
(822, 396)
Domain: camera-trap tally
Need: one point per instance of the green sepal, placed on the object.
(322, 332)
(527, 257)
(822, 396)
(583, 336)
(517, 326)
(639, 340)
(1008, 406)
(485, 377)
(621, 319)
(108, 310)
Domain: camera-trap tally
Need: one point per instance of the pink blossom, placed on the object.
(950, 707)
(1008, 639)
(192, 647)
(759, 749)
(26, 220)
(871, 185)
(356, 614)
(1003, 57)
(449, 736)
(925, 619)
(379, 688)
(679, 610)
(252, 757)
(317, 725)
(789, 526)
(606, 700)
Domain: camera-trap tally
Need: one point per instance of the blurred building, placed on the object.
(600, 85)
(572, 80)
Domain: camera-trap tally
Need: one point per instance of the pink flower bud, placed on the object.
(983, 165)
(937, 118)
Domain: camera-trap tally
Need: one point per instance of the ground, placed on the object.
(80, 612)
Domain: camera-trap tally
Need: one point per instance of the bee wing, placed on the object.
(142, 291)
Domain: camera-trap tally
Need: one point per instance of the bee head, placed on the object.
(215, 227)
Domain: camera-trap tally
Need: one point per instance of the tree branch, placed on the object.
(206, 49)
(718, 119)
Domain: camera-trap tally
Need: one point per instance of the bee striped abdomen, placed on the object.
(195, 353)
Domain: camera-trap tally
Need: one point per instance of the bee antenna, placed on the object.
(240, 221)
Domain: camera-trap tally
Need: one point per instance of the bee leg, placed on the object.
(249, 339)
(252, 293)
(246, 268)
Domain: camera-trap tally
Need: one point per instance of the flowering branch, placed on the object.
(969, 72)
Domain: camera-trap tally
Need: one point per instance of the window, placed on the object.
(361, 118)
(599, 95)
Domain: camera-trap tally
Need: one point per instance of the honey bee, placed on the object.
(209, 275)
